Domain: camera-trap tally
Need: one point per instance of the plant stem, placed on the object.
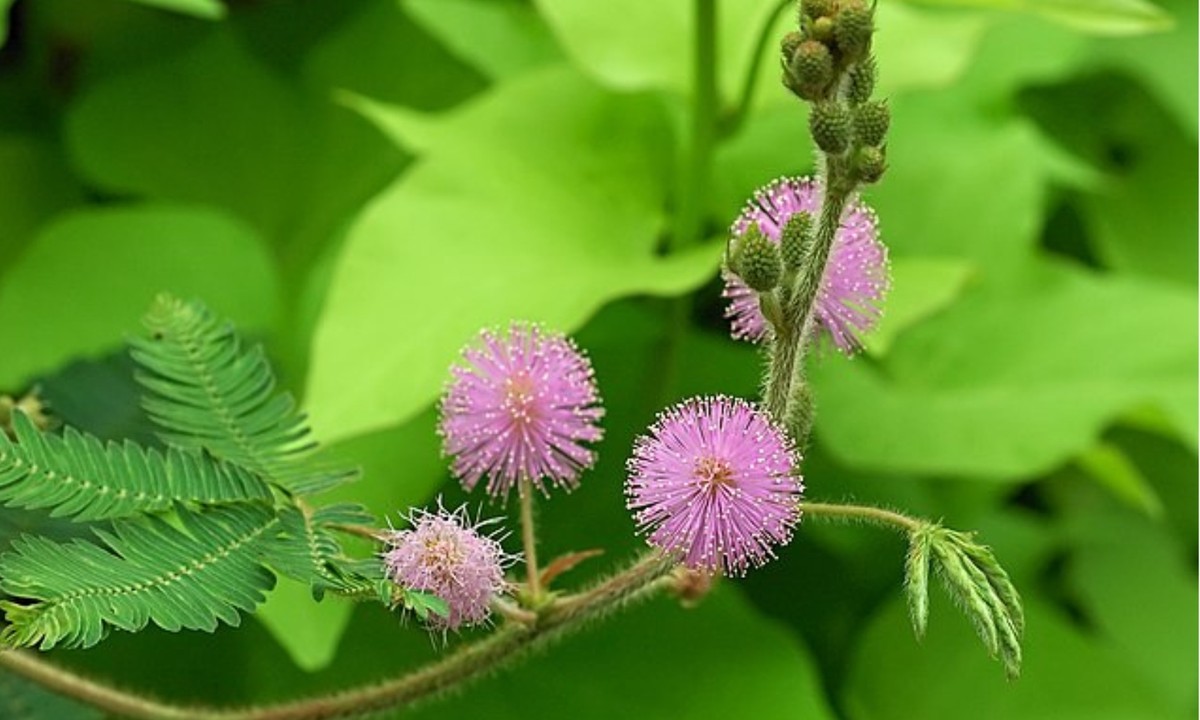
(750, 83)
(787, 348)
(529, 540)
(864, 514)
(468, 663)
(694, 182)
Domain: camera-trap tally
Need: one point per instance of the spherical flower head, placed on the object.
(715, 483)
(444, 553)
(856, 277)
(521, 405)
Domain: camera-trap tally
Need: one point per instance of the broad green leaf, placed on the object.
(401, 466)
(309, 631)
(22, 699)
(560, 216)
(1067, 673)
(500, 39)
(1100, 17)
(209, 9)
(209, 125)
(1139, 587)
(87, 278)
(5, 5)
(1115, 471)
(384, 52)
(983, 178)
(719, 660)
(921, 287)
(636, 45)
(39, 185)
(1007, 384)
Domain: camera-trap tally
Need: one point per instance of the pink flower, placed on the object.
(443, 553)
(521, 404)
(856, 277)
(715, 483)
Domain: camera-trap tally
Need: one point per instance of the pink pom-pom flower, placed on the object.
(446, 554)
(521, 405)
(715, 483)
(856, 277)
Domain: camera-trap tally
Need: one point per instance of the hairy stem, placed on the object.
(799, 309)
(529, 540)
(863, 514)
(468, 663)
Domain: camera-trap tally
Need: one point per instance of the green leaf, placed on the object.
(1067, 673)
(209, 125)
(208, 392)
(71, 594)
(21, 699)
(308, 549)
(423, 603)
(151, 249)
(309, 631)
(1100, 17)
(1139, 588)
(1114, 470)
(208, 9)
(921, 287)
(79, 477)
(5, 5)
(547, 225)
(500, 39)
(1007, 384)
(43, 184)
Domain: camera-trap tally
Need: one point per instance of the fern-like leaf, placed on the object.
(72, 593)
(77, 476)
(206, 390)
(307, 549)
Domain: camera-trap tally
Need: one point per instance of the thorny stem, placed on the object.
(468, 663)
(529, 540)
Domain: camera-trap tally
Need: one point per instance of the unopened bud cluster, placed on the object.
(828, 63)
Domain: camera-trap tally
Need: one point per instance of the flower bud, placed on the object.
(852, 28)
(811, 70)
(830, 124)
(871, 121)
(869, 164)
(756, 259)
(816, 8)
(860, 84)
(793, 241)
(822, 29)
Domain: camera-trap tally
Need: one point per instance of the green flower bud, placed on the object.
(831, 125)
(793, 241)
(871, 121)
(852, 27)
(788, 45)
(860, 84)
(869, 164)
(756, 260)
(816, 8)
(822, 29)
(810, 70)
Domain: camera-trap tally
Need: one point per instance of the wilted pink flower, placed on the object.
(521, 405)
(445, 554)
(715, 483)
(856, 277)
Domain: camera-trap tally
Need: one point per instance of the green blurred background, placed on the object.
(363, 184)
